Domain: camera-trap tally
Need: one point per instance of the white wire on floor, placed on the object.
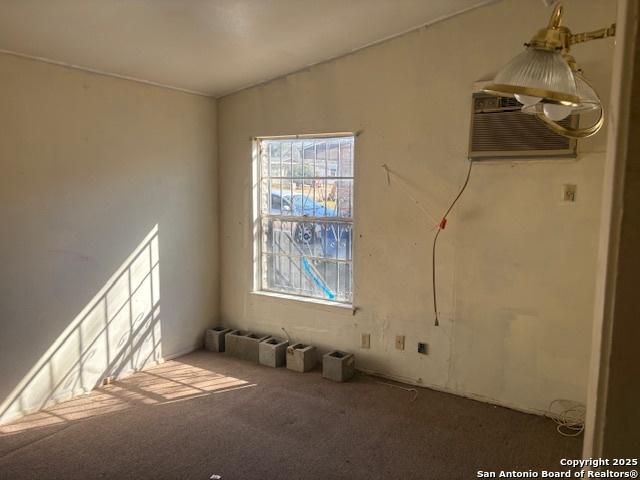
(568, 415)
(373, 376)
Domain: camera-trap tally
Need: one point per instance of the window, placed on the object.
(305, 209)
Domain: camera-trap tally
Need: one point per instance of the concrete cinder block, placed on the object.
(214, 339)
(250, 346)
(244, 345)
(273, 352)
(338, 366)
(231, 341)
(301, 357)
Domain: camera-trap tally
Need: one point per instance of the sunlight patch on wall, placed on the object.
(118, 331)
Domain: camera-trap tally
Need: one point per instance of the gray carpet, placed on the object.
(206, 414)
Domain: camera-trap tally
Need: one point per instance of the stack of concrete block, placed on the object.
(273, 352)
(244, 345)
(214, 339)
(301, 357)
(338, 366)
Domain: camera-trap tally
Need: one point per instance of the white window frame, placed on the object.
(259, 278)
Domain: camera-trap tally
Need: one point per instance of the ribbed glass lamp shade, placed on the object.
(589, 99)
(537, 73)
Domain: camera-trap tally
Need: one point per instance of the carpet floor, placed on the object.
(206, 415)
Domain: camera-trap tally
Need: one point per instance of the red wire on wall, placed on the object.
(441, 226)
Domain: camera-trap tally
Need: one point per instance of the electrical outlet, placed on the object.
(569, 193)
(422, 348)
(365, 341)
(400, 342)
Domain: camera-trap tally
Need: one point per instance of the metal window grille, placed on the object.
(305, 195)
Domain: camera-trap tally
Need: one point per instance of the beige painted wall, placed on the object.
(516, 265)
(108, 203)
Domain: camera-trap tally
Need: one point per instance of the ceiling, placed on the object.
(207, 46)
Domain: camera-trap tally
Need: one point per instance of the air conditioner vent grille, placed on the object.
(500, 130)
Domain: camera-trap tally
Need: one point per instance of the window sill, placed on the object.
(282, 297)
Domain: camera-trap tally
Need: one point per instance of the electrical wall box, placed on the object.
(500, 130)
(569, 193)
(422, 348)
(365, 340)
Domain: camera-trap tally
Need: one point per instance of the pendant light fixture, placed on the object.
(546, 80)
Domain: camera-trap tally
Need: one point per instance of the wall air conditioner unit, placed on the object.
(499, 130)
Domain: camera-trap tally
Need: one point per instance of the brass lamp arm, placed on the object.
(594, 35)
(576, 133)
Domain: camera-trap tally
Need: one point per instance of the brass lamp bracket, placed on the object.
(554, 36)
(558, 37)
(594, 35)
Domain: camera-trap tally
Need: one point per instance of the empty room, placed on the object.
(305, 239)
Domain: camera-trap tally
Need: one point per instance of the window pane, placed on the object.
(346, 158)
(310, 277)
(332, 158)
(286, 149)
(344, 236)
(321, 159)
(344, 198)
(275, 192)
(325, 240)
(299, 253)
(274, 159)
(345, 293)
(308, 150)
(276, 235)
(306, 195)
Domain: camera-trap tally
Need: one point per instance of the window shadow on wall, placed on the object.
(118, 331)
